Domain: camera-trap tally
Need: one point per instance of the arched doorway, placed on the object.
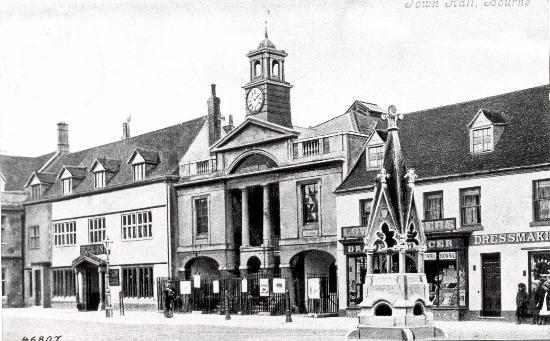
(314, 282)
(203, 266)
(253, 265)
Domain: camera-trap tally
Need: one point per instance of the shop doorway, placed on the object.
(38, 287)
(92, 288)
(491, 286)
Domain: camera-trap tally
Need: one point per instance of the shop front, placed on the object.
(356, 266)
(446, 271)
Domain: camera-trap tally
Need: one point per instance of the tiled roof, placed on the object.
(148, 156)
(18, 169)
(76, 172)
(169, 144)
(47, 178)
(109, 165)
(359, 176)
(436, 142)
(496, 117)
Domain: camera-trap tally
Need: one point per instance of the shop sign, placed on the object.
(442, 244)
(442, 255)
(354, 232)
(114, 277)
(440, 225)
(244, 285)
(196, 281)
(185, 287)
(94, 249)
(510, 238)
(313, 288)
(279, 285)
(264, 287)
(354, 249)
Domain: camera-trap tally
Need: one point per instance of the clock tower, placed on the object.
(267, 94)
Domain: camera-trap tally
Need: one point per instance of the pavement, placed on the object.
(18, 322)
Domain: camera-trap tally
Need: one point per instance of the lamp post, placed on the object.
(108, 306)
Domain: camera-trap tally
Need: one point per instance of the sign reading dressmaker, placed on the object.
(185, 287)
(313, 288)
(264, 287)
(510, 238)
(279, 285)
(196, 281)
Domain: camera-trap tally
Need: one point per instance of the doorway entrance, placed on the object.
(92, 287)
(38, 287)
(491, 286)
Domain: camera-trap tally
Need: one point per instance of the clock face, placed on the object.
(254, 100)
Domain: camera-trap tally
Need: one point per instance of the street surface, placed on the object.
(25, 323)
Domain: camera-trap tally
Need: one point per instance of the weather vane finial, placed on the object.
(266, 15)
(392, 116)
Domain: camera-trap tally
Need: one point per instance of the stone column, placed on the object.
(370, 260)
(420, 261)
(402, 262)
(245, 234)
(388, 263)
(101, 300)
(76, 286)
(46, 287)
(267, 216)
(81, 288)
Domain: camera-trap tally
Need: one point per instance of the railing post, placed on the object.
(226, 303)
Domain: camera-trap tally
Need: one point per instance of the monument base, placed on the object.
(397, 333)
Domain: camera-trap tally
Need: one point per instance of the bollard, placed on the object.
(288, 315)
(226, 301)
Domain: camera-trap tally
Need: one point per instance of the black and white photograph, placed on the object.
(275, 170)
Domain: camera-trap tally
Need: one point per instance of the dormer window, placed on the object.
(482, 140)
(99, 179)
(35, 191)
(485, 130)
(375, 156)
(141, 161)
(67, 186)
(139, 171)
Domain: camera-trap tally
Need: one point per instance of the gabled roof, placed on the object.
(45, 178)
(170, 143)
(494, 116)
(147, 155)
(250, 120)
(108, 164)
(435, 142)
(76, 172)
(18, 169)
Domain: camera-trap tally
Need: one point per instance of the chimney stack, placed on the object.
(229, 126)
(126, 128)
(62, 137)
(214, 117)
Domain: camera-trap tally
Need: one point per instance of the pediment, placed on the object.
(251, 132)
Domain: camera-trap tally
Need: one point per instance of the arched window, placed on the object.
(275, 68)
(257, 69)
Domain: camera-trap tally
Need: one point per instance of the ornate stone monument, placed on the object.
(396, 303)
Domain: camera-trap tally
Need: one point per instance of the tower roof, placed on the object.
(266, 43)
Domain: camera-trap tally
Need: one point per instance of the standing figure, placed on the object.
(534, 301)
(521, 303)
(545, 307)
(168, 299)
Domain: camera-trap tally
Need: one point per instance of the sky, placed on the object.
(94, 63)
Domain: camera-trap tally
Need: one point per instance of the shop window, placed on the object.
(470, 206)
(137, 282)
(357, 268)
(64, 282)
(433, 205)
(541, 200)
(446, 275)
(310, 203)
(539, 264)
(364, 211)
(201, 216)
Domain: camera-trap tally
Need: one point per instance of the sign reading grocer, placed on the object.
(510, 238)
